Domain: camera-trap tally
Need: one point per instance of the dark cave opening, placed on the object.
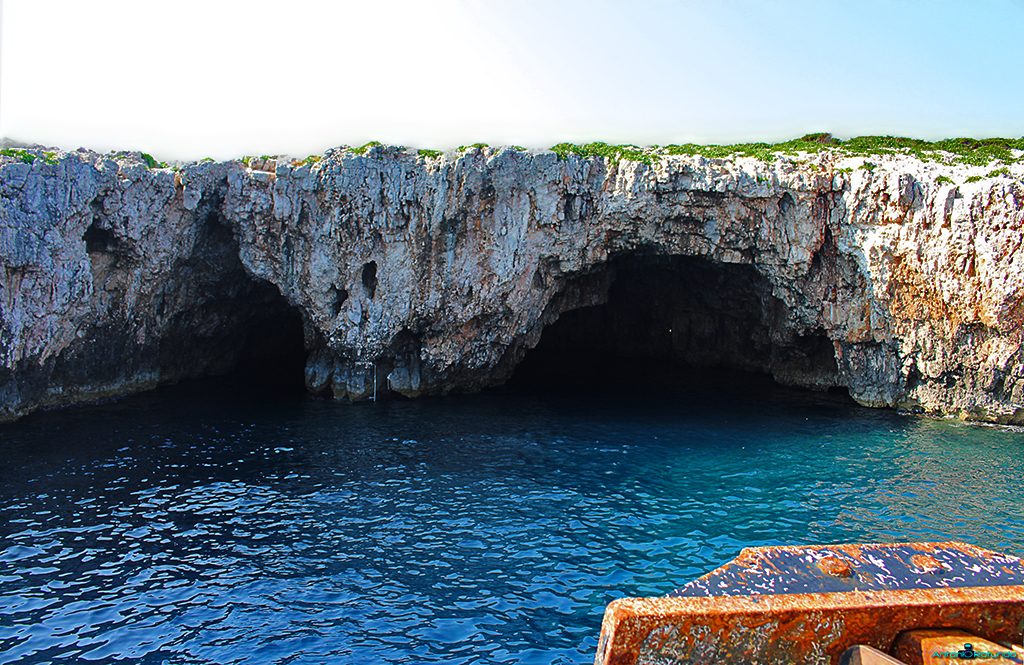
(218, 326)
(240, 330)
(98, 239)
(676, 322)
(272, 352)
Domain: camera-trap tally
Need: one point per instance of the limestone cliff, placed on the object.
(900, 280)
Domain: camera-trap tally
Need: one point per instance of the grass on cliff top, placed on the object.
(366, 146)
(431, 154)
(613, 153)
(48, 157)
(151, 162)
(974, 152)
(248, 159)
(966, 151)
(310, 160)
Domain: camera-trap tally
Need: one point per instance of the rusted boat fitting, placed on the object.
(812, 604)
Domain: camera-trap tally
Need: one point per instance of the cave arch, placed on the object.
(660, 317)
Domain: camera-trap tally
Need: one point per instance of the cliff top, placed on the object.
(963, 150)
(949, 161)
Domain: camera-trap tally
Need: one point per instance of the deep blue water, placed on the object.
(203, 524)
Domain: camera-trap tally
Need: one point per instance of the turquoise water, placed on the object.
(207, 524)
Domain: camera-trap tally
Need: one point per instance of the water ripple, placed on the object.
(476, 530)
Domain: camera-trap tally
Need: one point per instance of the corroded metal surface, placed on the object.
(808, 605)
(830, 568)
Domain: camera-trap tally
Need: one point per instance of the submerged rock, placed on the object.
(417, 274)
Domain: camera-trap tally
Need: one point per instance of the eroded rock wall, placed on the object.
(112, 282)
(439, 274)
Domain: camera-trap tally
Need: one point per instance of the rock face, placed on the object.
(424, 275)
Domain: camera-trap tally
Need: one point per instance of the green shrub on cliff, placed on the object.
(366, 146)
(151, 162)
(943, 180)
(249, 159)
(48, 157)
(765, 152)
(613, 153)
(976, 152)
(957, 151)
(23, 155)
(429, 154)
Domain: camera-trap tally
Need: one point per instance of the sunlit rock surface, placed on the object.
(438, 274)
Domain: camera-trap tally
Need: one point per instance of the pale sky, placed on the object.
(222, 78)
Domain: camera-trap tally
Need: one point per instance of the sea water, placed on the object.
(207, 523)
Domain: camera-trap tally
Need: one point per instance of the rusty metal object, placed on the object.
(865, 655)
(940, 647)
(810, 604)
(775, 570)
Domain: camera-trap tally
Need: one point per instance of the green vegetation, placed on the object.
(309, 160)
(761, 151)
(963, 151)
(363, 148)
(953, 151)
(206, 160)
(613, 153)
(249, 159)
(998, 172)
(977, 152)
(27, 157)
(151, 162)
(943, 180)
(973, 178)
(23, 155)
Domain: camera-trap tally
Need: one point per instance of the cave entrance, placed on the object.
(239, 329)
(667, 320)
(272, 352)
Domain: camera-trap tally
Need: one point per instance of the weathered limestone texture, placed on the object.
(440, 273)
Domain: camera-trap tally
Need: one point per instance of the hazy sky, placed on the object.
(190, 78)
